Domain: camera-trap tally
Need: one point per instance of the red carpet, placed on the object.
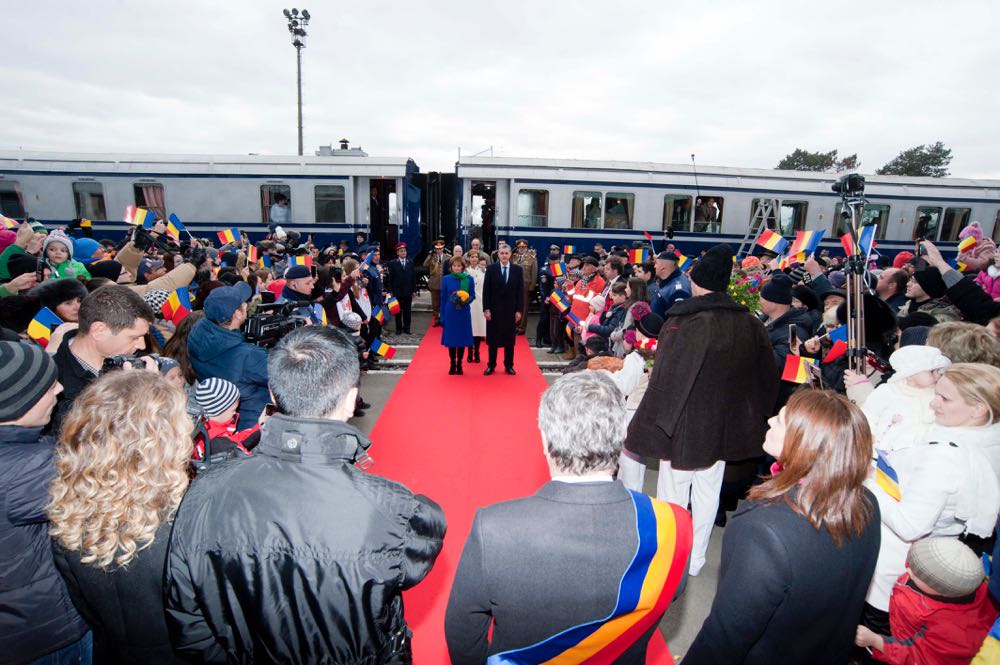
(466, 442)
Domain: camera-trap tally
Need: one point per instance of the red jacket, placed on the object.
(224, 431)
(926, 631)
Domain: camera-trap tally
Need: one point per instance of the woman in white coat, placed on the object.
(945, 485)
(476, 270)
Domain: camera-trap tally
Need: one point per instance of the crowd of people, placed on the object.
(178, 493)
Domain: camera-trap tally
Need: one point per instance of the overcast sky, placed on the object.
(736, 83)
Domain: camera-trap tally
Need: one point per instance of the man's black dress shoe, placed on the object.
(489, 370)
(510, 370)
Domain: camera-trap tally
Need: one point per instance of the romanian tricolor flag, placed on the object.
(836, 351)
(838, 334)
(41, 327)
(8, 223)
(86, 223)
(572, 323)
(648, 237)
(773, 241)
(569, 249)
(557, 269)
(379, 315)
(663, 537)
(682, 261)
(252, 255)
(886, 478)
(265, 261)
(393, 305)
(177, 306)
(796, 369)
(381, 348)
(967, 244)
(865, 242)
(806, 242)
(227, 236)
(558, 300)
(790, 259)
(319, 314)
(144, 218)
(129, 214)
(174, 226)
(958, 265)
(304, 260)
(637, 256)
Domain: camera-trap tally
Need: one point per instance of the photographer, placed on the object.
(114, 321)
(301, 522)
(218, 349)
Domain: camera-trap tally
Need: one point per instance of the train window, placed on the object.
(330, 208)
(533, 207)
(676, 212)
(708, 214)
(89, 199)
(928, 221)
(11, 202)
(586, 210)
(793, 217)
(955, 219)
(269, 208)
(874, 213)
(619, 209)
(149, 195)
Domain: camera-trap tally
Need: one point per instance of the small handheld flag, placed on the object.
(838, 334)
(838, 349)
(574, 319)
(8, 223)
(393, 305)
(557, 269)
(773, 241)
(682, 261)
(967, 244)
(795, 369)
(174, 226)
(265, 261)
(381, 348)
(177, 306)
(86, 223)
(144, 218)
(648, 237)
(41, 327)
(252, 255)
(306, 261)
(806, 242)
(569, 249)
(637, 256)
(558, 300)
(957, 265)
(227, 236)
(129, 214)
(886, 478)
(865, 242)
(379, 315)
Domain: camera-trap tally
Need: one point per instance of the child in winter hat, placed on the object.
(57, 251)
(219, 401)
(597, 303)
(939, 610)
(899, 410)
(981, 255)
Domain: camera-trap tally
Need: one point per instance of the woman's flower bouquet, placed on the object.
(745, 291)
(460, 298)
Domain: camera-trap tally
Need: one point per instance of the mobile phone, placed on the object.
(40, 271)
(921, 250)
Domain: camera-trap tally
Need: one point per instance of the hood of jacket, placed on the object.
(209, 340)
(709, 302)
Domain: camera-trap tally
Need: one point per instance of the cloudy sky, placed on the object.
(736, 83)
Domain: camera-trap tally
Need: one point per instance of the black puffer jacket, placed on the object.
(36, 613)
(295, 555)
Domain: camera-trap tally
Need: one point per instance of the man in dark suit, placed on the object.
(559, 575)
(503, 307)
(401, 281)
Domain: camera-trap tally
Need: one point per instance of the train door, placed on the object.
(484, 208)
(383, 213)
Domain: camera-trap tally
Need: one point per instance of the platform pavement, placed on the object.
(683, 619)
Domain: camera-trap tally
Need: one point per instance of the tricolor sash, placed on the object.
(646, 588)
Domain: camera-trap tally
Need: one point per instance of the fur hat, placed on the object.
(806, 296)
(946, 565)
(712, 270)
(910, 360)
(54, 292)
(109, 269)
(60, 237)
(778, 289)
(650, 325)
(930, 281)
(973, 230)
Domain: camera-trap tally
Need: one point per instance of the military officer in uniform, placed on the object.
(434, 264)
(529, 267)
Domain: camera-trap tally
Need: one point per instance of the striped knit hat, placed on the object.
(26, 373)
(216, 395)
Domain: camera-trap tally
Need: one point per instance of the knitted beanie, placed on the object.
(778, 289)
(946, 565)
(973, 230)
(215, 395)
(712, 270)
(913, 359)
(930, 281)
(85, 248)
(901, 259)
(351, 320)
(26, 373)
(60, 237)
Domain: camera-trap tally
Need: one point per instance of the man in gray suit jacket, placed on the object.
(583, 566)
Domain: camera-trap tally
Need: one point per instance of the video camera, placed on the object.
(269, 323)
(850, 186)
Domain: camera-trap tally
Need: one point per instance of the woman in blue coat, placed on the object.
(457, 291)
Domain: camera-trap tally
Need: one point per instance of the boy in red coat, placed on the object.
(940, 610)
(219, 401)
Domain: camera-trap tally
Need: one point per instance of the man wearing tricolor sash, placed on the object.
(583, 570)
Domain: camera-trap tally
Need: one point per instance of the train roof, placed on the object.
(575, 167)
(266, 165)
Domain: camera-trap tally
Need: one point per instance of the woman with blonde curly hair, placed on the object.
(121, 471)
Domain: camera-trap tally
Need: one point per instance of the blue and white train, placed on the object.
(339, 192)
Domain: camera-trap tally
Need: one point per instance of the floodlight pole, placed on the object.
(297, 22)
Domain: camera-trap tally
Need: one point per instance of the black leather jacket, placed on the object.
(295, 555)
